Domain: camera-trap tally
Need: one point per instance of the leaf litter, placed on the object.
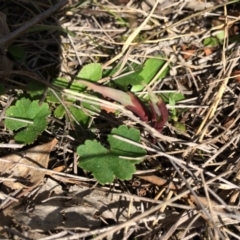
(23, 166)
(187, 185)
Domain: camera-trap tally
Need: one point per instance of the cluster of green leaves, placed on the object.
(215, 40)
(28, 119)
(172, 99)
(106, 164)
(138, 76)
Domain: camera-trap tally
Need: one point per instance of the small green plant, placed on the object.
(142, 75)
(91, 72)
(172, 99)
(28, 119)
(156, 114)
(116, 162)
(215, 40)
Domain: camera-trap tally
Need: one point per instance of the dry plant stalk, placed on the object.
(23, 167)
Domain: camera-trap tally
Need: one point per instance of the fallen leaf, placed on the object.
(187, 53)
(23, 167)
(158, 181)
(208, 51)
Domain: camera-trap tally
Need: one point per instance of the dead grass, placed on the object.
(188, 186)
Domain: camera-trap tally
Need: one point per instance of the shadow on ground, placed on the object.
(36, 53)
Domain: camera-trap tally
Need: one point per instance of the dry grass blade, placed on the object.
(217, 99)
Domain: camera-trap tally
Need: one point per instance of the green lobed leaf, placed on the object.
(105, 164)
(125, 149)
(31, 132)
(28, 110)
